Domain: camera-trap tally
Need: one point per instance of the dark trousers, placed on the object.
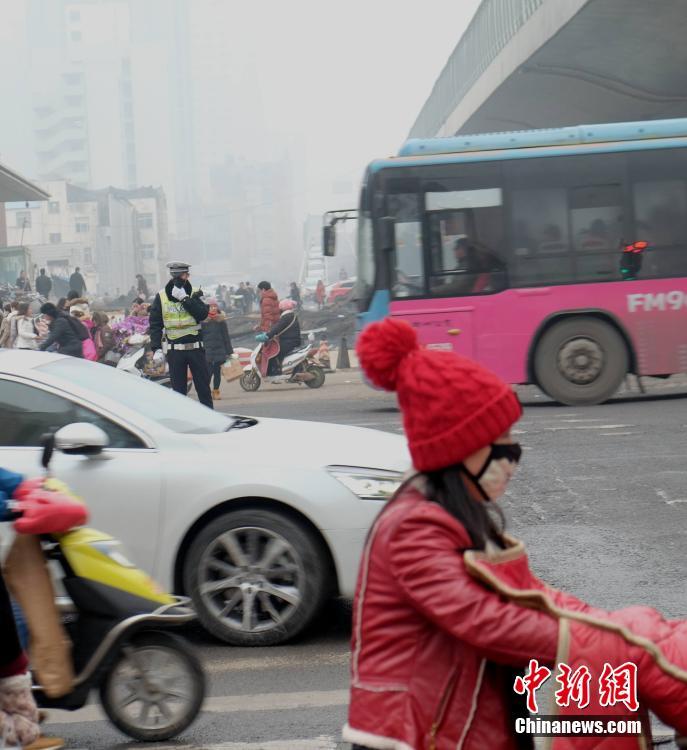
(216, 372)
(180, 361)
(11, 654)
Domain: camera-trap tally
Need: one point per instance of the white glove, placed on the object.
(178, 292)
(158, 358)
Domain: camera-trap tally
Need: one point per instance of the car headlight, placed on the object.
(368, 484)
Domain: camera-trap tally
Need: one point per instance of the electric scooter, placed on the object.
(150, 682)
(298, 367)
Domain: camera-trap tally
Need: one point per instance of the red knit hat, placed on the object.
(451, 405)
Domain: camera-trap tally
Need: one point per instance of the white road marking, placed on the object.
(667, 500)
(226, 704)
(277, 662)
(590, 427)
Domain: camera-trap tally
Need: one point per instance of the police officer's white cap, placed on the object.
(177, 267)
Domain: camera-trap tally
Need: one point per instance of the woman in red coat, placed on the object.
(269, 306)
(447, 613)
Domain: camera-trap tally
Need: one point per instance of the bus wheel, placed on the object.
(580, 361)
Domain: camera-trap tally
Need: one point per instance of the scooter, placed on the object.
(133, 362)
(150, 682)
(298, 367)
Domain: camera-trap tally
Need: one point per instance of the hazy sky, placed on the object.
(342, 82)
(338, 84)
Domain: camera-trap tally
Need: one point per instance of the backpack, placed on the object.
(87, 344)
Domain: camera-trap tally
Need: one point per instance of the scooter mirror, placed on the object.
(81, 439)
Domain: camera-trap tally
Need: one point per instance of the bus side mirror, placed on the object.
(329, 240)
(387, 233)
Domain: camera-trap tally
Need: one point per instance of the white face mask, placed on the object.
(498, 470)
(497, 474)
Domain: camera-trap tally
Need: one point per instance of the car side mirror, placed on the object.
(81, 439)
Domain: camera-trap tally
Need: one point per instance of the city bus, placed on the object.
(554, 257)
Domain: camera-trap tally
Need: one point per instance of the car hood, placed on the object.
(313, 444)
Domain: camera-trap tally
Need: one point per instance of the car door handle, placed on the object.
(454, 332)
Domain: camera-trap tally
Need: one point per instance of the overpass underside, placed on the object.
(549, 63)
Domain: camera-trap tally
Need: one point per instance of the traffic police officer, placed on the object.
(179, 310)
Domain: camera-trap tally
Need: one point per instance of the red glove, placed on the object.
(46, 512)
(27, 487)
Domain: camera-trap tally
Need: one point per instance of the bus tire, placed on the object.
(580, 361)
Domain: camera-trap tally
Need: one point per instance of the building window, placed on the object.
(75, 36)
(83, 224)
(147, 251)
(24, 219)
(87, 256)
(55, 238)
(53, 207)
(145, 221)
(74, 15)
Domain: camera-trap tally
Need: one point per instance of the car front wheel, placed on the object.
(256, 577)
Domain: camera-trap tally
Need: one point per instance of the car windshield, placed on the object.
(171, 410)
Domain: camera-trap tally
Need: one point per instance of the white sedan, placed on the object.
(258, 520)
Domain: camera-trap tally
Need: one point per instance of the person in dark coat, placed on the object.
(286, 330)
(23, 284)
(43, 284)
(77, 283)
(142, 286)
(63, 332)
(178, 311)
(217, 344)
(295, 294)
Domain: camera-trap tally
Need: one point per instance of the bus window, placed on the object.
(596, 221)
(407, 272)
(539, 236)
(465, 239)
(659, 196)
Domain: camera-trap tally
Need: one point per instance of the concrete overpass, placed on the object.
(525, 64)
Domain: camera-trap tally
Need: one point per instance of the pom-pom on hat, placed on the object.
(452, 406)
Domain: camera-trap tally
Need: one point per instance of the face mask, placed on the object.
(498, 470)
(178, 283)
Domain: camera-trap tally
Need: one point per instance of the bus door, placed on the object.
(440, 323)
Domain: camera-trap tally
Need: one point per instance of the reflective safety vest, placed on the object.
(177, 320)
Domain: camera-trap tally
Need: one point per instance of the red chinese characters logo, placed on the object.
(619, 685)
(574, 686)
(530, 682)
(615, 686)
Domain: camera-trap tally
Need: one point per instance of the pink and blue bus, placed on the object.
(554, 257)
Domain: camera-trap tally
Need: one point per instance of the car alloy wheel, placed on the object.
(251, 579)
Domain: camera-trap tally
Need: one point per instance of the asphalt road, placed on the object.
(600, 499)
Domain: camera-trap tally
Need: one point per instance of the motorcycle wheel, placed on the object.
(318, 378)
(155, 687)
(250, 381)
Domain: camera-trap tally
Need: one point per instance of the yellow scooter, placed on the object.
(151, 683)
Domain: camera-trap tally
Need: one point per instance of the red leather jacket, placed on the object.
(437, 630)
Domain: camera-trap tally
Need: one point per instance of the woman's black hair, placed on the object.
(49, 309)
(447, 488)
